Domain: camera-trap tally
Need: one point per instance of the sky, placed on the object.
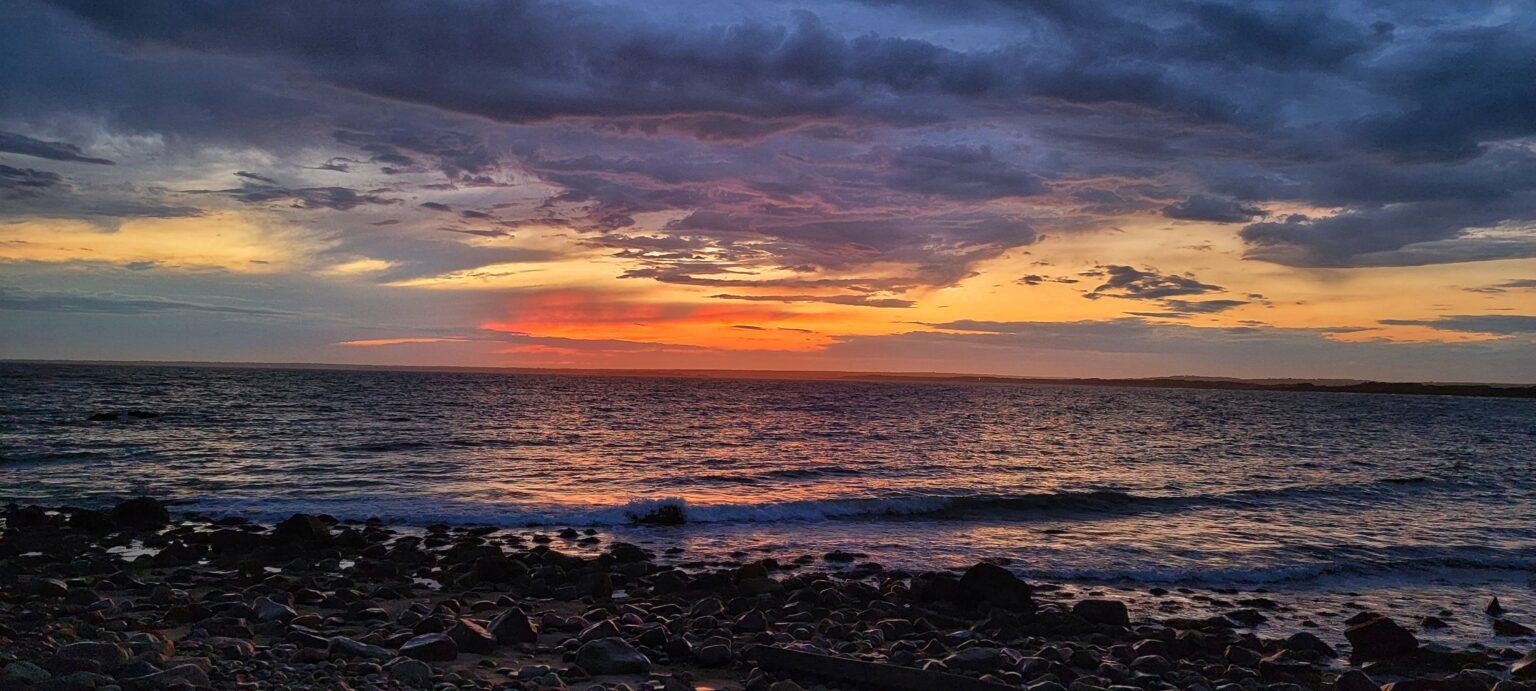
(1028, 187)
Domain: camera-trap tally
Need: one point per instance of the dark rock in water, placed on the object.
(997, 586)
(1247, 617)
(512, 626)
(611, 656)
(142, 414)
(431, 647)
(1355, 680)
(1306, 641)
(472, 637)
(839, 556)
(302, 529)
(1432, 622)
(92, 521)
(1494, 607)
(103, 417)
(1112, 612)
(1525, 667)
(143, 513)
(1505, 627)
(666, 514)
(1380, 639)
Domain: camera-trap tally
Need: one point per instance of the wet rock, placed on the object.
(611, 656)
(431, 647)
(1355, 680)
(1379, 638)
(1494, 608)
(1431, 623)
(665, 514)
(472, 637)
(1525, 667)
(103, 417)
(408, 671)
(268, 609)
(716, 655)
(143, 513)
(513, 626)
(975, 659)
(1309, 642)
(1505, 627)
(25, 672)
(997, 586)
(1111, 612)
(106, 655)
(347, 647)
(175, 677)
(1247, 617)
(302, 529)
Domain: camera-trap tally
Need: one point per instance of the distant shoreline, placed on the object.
(1477, 390)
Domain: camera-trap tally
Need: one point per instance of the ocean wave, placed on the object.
(936, 506)
(1448, 567)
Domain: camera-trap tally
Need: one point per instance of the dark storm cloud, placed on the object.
(1517, 284)
(11, 142)
(1402, 123)
(334, 198)
(17, 183)
(1498, 324)
(1214, 209)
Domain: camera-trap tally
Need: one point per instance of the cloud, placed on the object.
(1213, 209)
(851, 300)
(1135, 284)
(334, 198)
(1498, 324)
(10, 142)
(19, 183)
(112, 303)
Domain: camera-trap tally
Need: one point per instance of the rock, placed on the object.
(997, 586)
(268, 609)
(715, 655)
(1379, 639)
(611, 656)
(839, 556)
(498, 568)
(92, 521)
(103, 417)
(665, 514)
(472, 637)
(1505, 627)
(603, 629)
(1112, 612)
(1247, 617)
(431, 647)
(1525, 667)
(347, 647)
(302, 529)
(143, 513)
(107, 655)
(1307, 641)
(25, 672)
(975, 659)
(1355, 680)
(786, 685)
(513, 626)
(409, 671)
(1432, 622)
(183, 675)
(1494, 608)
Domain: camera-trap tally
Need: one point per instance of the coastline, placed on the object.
(138, 597)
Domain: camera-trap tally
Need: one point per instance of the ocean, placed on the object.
(1279, 490)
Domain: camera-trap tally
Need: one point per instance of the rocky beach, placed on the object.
(133, 596)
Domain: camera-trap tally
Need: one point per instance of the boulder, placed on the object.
(143, 513)
(1505, 627)
(1379, 639)
(183, 675)
(106, 654)
(302, 529)
(268, 609)
(431, 647)
(1110, 612)
(1355, 680)
(611, 656)
(996, 586)
(408, 671)
(348, 647)
(25, 672)
(472, 638)
(1525, 667)
(512, 626)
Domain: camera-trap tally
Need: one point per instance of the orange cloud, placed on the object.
(369, 342)
(586, 315)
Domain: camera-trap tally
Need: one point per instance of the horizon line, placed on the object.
(785, 374)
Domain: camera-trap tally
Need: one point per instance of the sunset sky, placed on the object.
(1042, 187)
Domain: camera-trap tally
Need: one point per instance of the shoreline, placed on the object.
(136, 597)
